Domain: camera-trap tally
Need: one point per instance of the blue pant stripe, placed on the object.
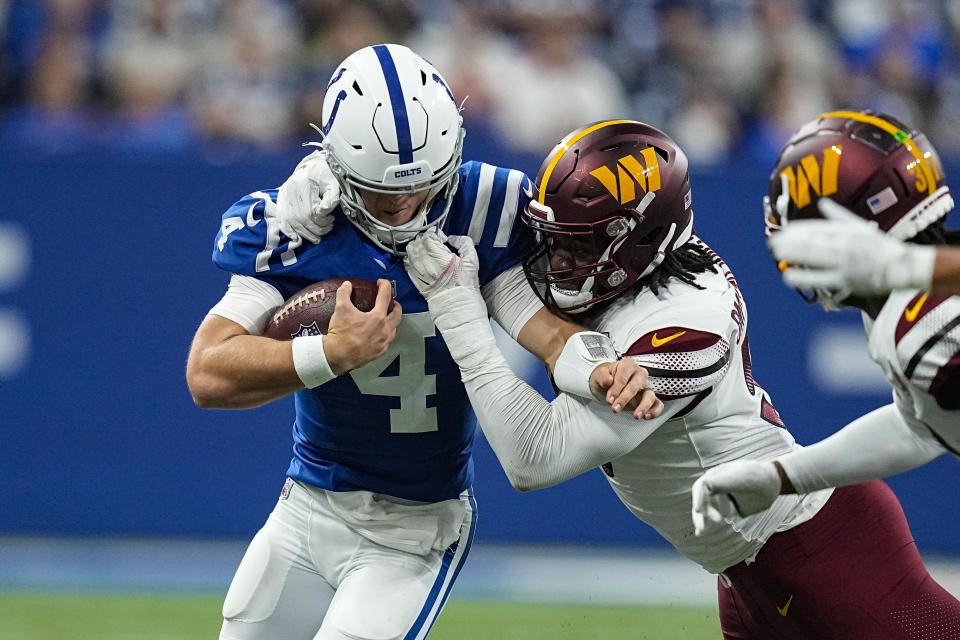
(456, 571)
(437, 592)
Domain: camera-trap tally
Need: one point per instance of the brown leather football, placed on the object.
(308, 311)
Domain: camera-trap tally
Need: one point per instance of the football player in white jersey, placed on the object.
(377, 514)
(612, 212)
(884, 172)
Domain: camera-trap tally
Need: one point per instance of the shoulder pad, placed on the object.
(492, 198)
(682, 361)
(927, 339)
(249, 241)
(487, 208)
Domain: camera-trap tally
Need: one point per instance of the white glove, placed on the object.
(847, 252)
(306, 200)
(451, 286)
(738, 488)
(433, 267)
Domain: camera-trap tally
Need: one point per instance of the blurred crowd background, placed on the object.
(728, 78)
(127, 127)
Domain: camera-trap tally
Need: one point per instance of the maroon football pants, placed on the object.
(852, 572)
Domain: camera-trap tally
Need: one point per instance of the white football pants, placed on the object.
(309, 575)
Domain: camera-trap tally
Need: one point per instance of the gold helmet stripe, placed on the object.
(565, 145)
(897, 133)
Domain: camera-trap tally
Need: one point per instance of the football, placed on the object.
(308, 311)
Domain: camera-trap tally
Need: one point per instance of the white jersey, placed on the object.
(916, 341)
(693, 343)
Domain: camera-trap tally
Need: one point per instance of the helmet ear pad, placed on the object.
(872, 164)
(626, 186)
(391, 126)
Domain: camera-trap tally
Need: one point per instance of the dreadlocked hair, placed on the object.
(937, 233)
(683, 264)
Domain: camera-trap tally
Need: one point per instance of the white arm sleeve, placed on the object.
(876, 445)
(540, 443)
(249, 302)
(511, 300)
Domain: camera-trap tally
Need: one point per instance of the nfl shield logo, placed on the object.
(307, 330)
(285, 492)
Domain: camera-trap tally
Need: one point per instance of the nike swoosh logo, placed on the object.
(911, 313)
(528, 189)
(783, 610)
(267, 204)
(659, 342)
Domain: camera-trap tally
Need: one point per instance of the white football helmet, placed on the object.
(391, 125)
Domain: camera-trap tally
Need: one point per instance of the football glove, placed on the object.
(847, 252)
(738, 488)
(433, 267)
(306, 200)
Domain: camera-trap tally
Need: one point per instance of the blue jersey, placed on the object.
(401, 424)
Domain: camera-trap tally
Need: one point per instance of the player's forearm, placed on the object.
(540, 443)
(241, 372)
(545, 335)
(946, 271)
(537, 442)
(876, 445)
(523, 429)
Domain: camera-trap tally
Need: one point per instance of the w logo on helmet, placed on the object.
(810, 173)
(630, 174)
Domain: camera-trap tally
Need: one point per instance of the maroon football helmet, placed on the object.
(872, 164)
(612, 199)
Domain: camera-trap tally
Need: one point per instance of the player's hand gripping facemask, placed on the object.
(434, 267)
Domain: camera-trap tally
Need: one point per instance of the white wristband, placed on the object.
(310, 361)
(580, 356)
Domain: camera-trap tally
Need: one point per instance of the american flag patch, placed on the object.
(882, 201)
(686, 200)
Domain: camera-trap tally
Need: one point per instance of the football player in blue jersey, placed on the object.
(377, 515)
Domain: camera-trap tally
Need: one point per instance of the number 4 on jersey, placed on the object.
(260, 201)
(410, 383)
